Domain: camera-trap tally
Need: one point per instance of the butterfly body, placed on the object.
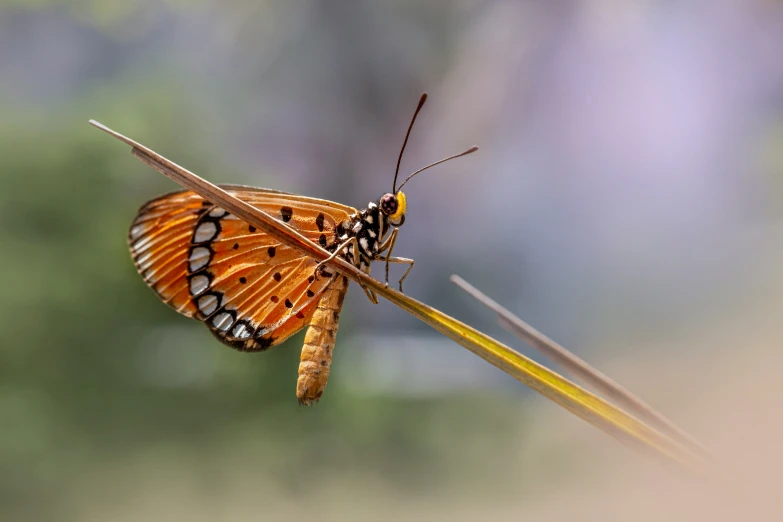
(252, 291)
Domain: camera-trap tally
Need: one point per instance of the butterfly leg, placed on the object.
(335, 254)
(410, 263)
(388, 245)
(370, 294)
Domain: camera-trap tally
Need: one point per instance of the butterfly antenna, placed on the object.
(407, 134)
(444, 160)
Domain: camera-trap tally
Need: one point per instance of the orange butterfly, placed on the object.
(253, 291)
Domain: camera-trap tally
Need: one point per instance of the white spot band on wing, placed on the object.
(208, 304)
(205, 232)
(222, 321)
(198, 284)
(199, 258)
(241, 331)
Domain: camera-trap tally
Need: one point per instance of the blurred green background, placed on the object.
(626, 201)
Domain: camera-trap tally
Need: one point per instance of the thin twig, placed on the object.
(580, 369)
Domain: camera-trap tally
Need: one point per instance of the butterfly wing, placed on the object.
(252, 291)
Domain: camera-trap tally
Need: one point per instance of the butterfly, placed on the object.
(252, 291)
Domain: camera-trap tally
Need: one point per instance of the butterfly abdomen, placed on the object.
(316, 359)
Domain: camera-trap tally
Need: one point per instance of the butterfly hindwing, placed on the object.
(251, 290)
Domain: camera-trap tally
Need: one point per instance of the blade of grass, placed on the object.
(579, 401)
(582, 371)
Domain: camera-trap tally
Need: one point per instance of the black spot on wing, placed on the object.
(319, 222)
(286, 213)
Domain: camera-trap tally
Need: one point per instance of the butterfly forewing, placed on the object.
(251, 290)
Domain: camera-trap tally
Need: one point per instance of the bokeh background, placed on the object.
(627, 200)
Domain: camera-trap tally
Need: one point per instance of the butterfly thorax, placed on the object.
(369, 226)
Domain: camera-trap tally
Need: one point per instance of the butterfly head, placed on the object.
(393, 206)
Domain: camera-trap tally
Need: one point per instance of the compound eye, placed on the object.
(389, 204)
